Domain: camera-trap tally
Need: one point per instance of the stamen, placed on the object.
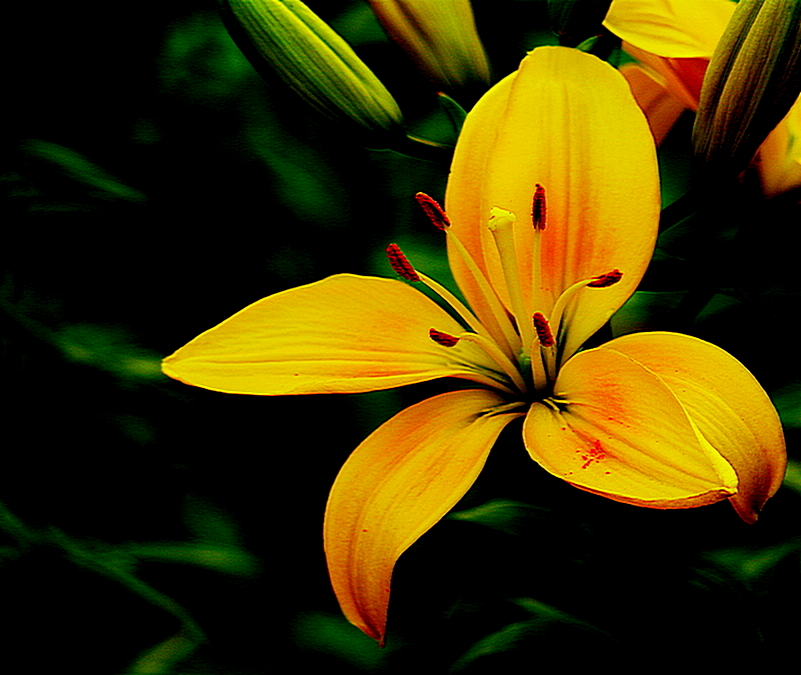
(444, 339)
(569, 294)
(538, 208)
(400, 263)
(543, 328)
(605, 280)
(543, 359)
(507, 377)
(538, 219)
(436, 214)
(497, 319)
(496, 354)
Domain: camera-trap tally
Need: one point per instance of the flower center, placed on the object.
(524, 341)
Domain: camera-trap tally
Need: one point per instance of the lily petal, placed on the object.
(619, 431)
(346, 333)
(674, 38)
(683, 78)
(661, 108)
(725, 402)
(395, 486)
(590, 147)
(779, 157)
(671, 28)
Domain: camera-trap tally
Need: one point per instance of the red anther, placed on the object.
(444, 339)
(608, 279)
(538, 208)
(434, 211)
(400, 263)
(543, 328)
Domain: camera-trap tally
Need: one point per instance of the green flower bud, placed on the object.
(441, 37)
(752, 81)
(314, 60)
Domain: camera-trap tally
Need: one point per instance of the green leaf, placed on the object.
(549, 632)
(515, 518)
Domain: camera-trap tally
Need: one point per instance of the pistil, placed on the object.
(501, 225)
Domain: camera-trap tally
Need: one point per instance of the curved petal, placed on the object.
(725, 402)
(568, 121)
(343, 334)
(779, 158)
(683, 78)
(617, 430)
(671, 28)
(661, 108)
(395, 486)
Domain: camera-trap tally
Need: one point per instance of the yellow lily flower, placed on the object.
(546, 242)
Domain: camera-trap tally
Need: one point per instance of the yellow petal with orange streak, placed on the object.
(395, 486)
(779, 157)
(568, 121)
(725, 402)
(671, 28)
(661, 108)
(346, 333)
(620, 432)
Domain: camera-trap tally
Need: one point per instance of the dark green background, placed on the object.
(152, 185)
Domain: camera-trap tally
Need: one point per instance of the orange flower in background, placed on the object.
(674, 42)
(779, 157)
(553, 203)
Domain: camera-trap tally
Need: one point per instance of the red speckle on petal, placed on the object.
(596, 454)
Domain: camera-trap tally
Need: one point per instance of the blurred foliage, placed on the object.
(153, 184)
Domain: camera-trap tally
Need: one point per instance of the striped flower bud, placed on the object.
(286, 36)
(441, 37)
(751, 83)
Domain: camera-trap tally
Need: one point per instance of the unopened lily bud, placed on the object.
(441, 37)
(577, 20)
(752, 81)
(288, 37)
